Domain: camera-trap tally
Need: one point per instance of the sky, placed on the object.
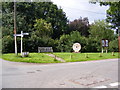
(75, 9)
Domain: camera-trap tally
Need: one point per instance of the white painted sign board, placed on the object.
(76, 47)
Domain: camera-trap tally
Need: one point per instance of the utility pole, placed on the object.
(15, 27)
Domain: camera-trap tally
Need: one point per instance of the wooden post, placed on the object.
(119, 46)
(119, 43)
(15, 37)
(106, 50)
(102, 49)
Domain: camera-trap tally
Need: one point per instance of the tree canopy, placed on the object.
(81, 25)
(28, 12)
(48, 25)
(113, 14)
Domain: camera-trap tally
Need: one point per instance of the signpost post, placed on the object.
(21, 35)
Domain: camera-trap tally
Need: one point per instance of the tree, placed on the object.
(113, 13)
(7, 44)
(42, 28)
(81, 25)
(27, 13)
(113, 46)
(100, 30)
(66, 41)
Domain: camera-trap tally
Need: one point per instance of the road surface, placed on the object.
(89, 74)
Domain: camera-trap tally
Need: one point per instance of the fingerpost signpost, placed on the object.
(21, 35)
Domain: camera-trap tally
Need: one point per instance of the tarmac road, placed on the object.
(89, 74)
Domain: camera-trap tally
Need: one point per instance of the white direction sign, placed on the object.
(17, 34)
(21, 35)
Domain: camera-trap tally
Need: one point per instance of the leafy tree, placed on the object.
(113, 13)
(113, 45)
(39, 42)
(66, 41)
(27, 13)
(42, 28)
(100, 30)
(7, 44)
(81, 25)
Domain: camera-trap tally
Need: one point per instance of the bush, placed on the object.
(113, 45)
(66, 41)
(7, 44)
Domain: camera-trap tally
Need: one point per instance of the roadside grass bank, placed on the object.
(33, 58)
(68, 57)
(76, 57)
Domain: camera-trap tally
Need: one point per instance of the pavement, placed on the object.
(88, 74)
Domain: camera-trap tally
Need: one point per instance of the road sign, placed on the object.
(17, 35)
(21, 35)
(25, 33)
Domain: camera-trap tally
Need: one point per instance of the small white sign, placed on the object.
(105, 43)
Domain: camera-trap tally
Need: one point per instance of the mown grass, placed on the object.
(33, 58)
(75, 57)
(68, 57)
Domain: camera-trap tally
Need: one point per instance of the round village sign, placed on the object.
(76, 47)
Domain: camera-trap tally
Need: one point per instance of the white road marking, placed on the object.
(111, 84)
(114, 84)
(101, 87)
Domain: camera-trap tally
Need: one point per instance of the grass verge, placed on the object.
(68, 57)
(33, 58)
(75, 57)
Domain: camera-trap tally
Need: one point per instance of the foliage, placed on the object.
(42, 28)
(113, 45)
(7, 44)
(113, 13)
(47, 26)
(66, 41)
(81, 25)
(27, 13)
(39, 42)
(100, 30)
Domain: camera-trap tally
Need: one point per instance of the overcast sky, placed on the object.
(76, 8)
